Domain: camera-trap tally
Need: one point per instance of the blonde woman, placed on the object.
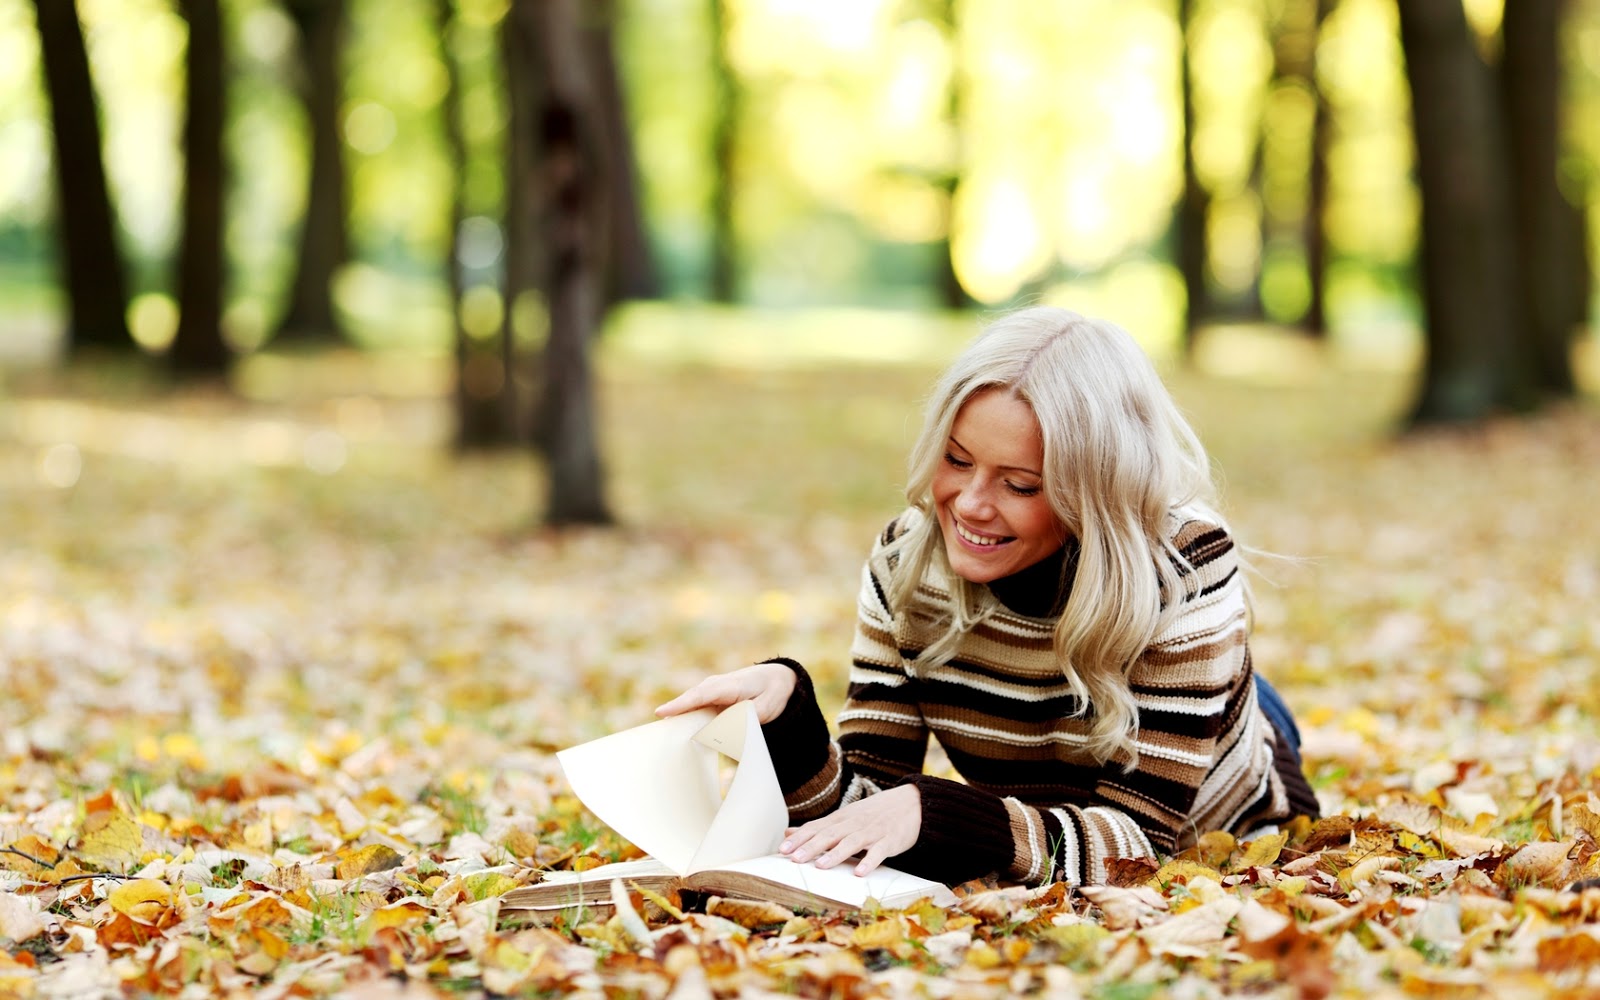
(1062, 609)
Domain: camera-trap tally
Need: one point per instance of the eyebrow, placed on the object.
(1012, 468)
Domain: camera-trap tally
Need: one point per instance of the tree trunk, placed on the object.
(951, 292)
(1315, 231)
(1468, 262)
(523, 255)
(632, 274)
(574, 190)
(725, 112)
(1547, 293)
(91, 265)
(1195, 203)
(481, 377)
(198, 347)
(324, 244)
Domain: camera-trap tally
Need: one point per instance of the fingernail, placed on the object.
(785, 847)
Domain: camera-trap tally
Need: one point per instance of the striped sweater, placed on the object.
(1035, 806)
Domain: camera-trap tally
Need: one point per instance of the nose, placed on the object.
(974, 502)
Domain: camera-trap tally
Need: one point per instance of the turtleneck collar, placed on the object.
(1040, 591)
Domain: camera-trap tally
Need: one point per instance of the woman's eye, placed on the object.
(1024, 491)
(956, 462)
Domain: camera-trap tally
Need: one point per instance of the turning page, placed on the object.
(657, 786)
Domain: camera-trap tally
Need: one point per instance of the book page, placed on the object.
(651, 784)
(841, 883)
(657, 786)
(753, 815)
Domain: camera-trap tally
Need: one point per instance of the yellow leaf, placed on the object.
(1263, 851)
(663, 903)
(109, 839)
(482, 885)
(1214, 848)
(1078, 942)
(143, 899)
(366, 861)
(1183, 871)
(584, 862)
(982, 956)
(879, 934)
(404, 914)
(1367, 870)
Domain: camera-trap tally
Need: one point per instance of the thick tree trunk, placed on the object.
(1315, 233)
(324, 244)
(632, 274)
(1468, 262)
(725, 113)
(1547, 293)
(198, 347)
(91, 265)
(481, 377)
(1194, 206)
(952, 295)
(574, 191)
(523, 266)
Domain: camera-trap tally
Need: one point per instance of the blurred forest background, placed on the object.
(500, 184)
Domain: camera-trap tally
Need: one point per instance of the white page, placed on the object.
(841, 882)
(753, 816)
(652, 784)
(657, 786)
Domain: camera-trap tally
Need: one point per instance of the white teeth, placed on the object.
(976, 539)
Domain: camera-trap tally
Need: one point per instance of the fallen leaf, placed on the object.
(366, 861)
(144, 900)
(748, 912)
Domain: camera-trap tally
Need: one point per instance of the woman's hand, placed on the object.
(769, 685)
(882, 825)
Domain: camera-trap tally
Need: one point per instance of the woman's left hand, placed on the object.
(882, 825)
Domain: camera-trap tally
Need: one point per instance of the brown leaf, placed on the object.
(1126, 872)
(1573, 951)
(749, 913)
(366, 861)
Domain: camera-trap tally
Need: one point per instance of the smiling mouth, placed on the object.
(983, 541)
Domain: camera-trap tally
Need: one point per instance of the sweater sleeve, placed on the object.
(818, 774)
(1205, 758)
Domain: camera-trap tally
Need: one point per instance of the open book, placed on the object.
(658, 786)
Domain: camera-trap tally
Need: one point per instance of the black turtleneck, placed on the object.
(1040, 590)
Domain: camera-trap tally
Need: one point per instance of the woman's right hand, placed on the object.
(769, 685)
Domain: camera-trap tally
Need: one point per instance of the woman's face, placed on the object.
(988, 490)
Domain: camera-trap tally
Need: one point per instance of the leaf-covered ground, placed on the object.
(283, 681)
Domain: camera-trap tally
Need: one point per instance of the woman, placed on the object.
(1063, 610)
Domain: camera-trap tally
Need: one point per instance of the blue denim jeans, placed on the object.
(1273, 707)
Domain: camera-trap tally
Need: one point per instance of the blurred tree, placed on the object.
(726, 104)
(482, 419)
(1551, 295)
(91, 265)
(632, 272)
(522, 254)
(198, 347)
(1315, 224)
(951, 292)
(1487, 211)
(572, 204)
(324, 242)
(1194, 203)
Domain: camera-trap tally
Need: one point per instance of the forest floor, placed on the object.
(283, 680)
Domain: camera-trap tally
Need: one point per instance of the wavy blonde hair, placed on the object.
(1118, 458)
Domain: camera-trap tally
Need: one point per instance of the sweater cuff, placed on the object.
(797, 740)
(965, 833)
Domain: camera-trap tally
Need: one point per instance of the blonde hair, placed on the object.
(1118, 458)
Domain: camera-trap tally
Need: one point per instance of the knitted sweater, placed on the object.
(1035, 805)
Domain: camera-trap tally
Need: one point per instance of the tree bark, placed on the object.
(1194, 206)
(198, 347)
(91, 265)
(632, 274)
(1467, 254)
(951, 292)
(574, 189)
(1548, 295)
(1315, 227)
(726, 107)
(481, 376)
(324, 242)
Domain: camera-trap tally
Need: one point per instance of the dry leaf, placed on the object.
(748, 913)
(144, 900)
(19, 918)
(1262, 851)
(366, 861)
(110, 840)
